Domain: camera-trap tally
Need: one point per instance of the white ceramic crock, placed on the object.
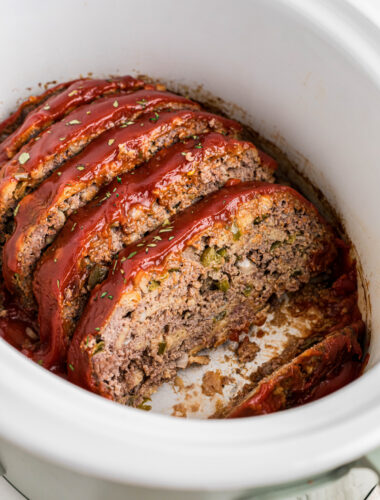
(308, 75)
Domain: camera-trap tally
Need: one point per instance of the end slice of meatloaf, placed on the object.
(123, 212)
(188, 284)
(42, 213)
(336, 357)
(58, 106)
(62, 140)
(9, 125)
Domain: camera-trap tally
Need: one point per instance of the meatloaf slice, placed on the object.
(42, 213)
(188, 284)
(123, 212)
(335, 357)
(37, 159)
(9, 125)
(58, 106)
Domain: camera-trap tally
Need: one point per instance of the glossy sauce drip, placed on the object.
(57, 106)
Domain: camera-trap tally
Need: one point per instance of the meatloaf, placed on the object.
(336, 356)
(124, 211)
(10, 124)
(41, 214)
(59, 105)
(62, 140)
(192, 281)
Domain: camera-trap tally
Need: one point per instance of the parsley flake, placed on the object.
(155, 117)
(23, 158)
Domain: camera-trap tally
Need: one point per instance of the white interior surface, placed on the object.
(308, 75)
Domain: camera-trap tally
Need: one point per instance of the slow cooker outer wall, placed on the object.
(301, 86)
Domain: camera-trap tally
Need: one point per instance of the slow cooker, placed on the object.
(307, 75)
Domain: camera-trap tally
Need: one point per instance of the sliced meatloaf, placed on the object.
(42, 213)
(9, 125)
(58, 106)
(189, 283)
(335, 357)
(124, 211)
(37, 159)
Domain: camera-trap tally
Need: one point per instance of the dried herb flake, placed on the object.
(23, 158)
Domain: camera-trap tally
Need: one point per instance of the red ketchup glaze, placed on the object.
(101, 161)
(13, 326)
(339, 347)
(14, 117)
(86, 122)
(57, 106)
(267, 160)
(62, 261)
(217, 208)
(19, 329)
(349, 371)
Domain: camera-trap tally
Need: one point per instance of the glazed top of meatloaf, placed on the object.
(13, 121)
(65, 138)
(218, 208)
(100, 215)
(57, 106)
